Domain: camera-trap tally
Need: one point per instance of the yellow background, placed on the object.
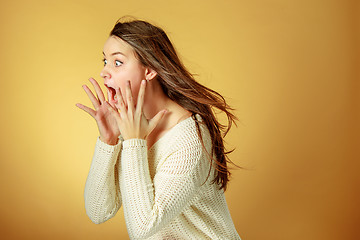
(290, 68)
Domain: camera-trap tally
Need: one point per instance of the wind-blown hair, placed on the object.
(153, 49)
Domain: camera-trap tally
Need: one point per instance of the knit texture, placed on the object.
(164, 190)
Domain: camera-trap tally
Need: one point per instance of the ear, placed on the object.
(150, 74)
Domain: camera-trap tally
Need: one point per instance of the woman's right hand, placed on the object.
(106, 122)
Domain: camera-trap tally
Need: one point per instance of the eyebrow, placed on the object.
(115, 53)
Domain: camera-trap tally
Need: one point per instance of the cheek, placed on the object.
(119, 80)
(124, 74)
(135, 74)
(135, 86)
(135, 91)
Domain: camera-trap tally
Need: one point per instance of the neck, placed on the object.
(156, 100)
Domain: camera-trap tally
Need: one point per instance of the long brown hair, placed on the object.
(154, 49)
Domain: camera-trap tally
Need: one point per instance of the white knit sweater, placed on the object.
(160, 189)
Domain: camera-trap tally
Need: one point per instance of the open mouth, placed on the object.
(111, 94)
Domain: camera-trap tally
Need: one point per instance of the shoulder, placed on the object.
(184, 152)
(186, 133)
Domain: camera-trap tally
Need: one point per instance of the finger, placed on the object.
(129, 100)
(155, 120)
(86, 109)
(120, 103)
(108, 93)
(95, 102)
(113, 111)
(109, 97)
(140, 101)
(98, 90)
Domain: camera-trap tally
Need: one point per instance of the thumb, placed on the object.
(156, 119)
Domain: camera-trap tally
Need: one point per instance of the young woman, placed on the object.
(160, 153)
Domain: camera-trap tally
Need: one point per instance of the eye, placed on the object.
(118, 63)
(105, 61)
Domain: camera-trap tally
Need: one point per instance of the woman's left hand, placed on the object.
(132, 122)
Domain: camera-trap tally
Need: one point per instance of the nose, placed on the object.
(104, 73)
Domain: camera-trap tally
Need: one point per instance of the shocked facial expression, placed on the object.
(120, 66)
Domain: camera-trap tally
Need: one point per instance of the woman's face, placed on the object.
(120, 66)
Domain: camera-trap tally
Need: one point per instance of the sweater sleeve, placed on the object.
(149, 205)
(102, 191)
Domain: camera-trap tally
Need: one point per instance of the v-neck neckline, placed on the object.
(170, 130)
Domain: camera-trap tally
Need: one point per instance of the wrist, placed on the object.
(109, 141)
